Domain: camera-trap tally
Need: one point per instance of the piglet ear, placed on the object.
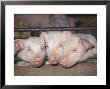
(86, 44)
(18, 45)
(43, 36)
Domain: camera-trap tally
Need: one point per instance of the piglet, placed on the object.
(78, 48)
(31, 51)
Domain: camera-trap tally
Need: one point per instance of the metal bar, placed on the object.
(54, 29)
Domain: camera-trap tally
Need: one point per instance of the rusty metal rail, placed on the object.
(54, 29)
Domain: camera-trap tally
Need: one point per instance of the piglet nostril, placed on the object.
(37, 61)
(52, 57)
(52, 60)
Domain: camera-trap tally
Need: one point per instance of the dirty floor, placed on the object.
(88, 68)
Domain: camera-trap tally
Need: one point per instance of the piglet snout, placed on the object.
(53, 60)
(37, 61)
(64, 62)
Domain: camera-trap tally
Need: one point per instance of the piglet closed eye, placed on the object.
(74, 50)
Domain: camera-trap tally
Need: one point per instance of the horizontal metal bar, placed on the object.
(54, 29)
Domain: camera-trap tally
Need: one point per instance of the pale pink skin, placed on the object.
(55, 41)
(77, 50)
(32, 50)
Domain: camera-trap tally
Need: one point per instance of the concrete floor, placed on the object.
(88, 68)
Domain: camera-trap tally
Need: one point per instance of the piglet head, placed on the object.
(74, 50)
(36, 51)
(50, 47)
(37, 58)
(55, 41)
(33, 51)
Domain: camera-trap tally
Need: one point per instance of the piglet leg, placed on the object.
(23, 63)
